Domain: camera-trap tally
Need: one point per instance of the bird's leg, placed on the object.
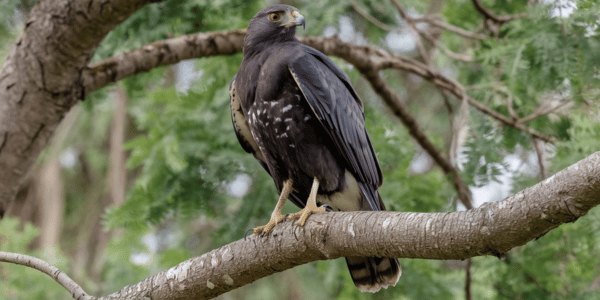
(276, 215)
(310, 207)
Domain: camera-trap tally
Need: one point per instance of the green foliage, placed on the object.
(484, 152)
(19, 282)
(401, 190)
(174, 17)
(557, 266)
(183, 156)
(182, 135)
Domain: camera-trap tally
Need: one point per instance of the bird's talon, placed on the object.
(267, 228)
(303, 215)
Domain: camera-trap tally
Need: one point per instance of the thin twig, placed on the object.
(540, 157)
(460, 128)
(451, 54)
(422, 51)
(542, 111)
(426, 35)
(365, 14)
(395, 103)
(449, 27)
(445, 50)
(457, 90)
(488, 14)
(511, 107)
(29, 261)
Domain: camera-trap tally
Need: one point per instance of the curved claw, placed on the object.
(267, 228)
(303, 215)
(276, 216)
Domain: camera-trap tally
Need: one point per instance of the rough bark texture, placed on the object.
(41, 77)
(162, 53)
(492, 229)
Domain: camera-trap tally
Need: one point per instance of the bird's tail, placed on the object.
(370, 274)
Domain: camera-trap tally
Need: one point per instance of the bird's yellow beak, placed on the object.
(295, 19)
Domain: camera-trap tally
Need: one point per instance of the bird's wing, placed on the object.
(240, 124)
(336, 105)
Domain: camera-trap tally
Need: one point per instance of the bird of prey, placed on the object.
(300, 117)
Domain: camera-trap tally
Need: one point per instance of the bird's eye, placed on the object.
(274, 17)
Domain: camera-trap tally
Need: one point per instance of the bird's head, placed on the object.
(273, 24)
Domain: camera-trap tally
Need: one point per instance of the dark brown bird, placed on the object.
(298, 114)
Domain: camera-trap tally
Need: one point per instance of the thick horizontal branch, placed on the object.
(162, 53)
(63, 279)
(363, 57)
(492, 229)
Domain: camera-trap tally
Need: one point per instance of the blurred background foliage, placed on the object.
(147, 172)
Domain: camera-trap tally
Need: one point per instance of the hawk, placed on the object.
(300, 117)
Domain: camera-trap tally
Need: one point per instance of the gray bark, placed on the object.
(63, 279)
(41, 78)
(492, 229)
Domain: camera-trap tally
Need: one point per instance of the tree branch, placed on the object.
(397, 106)
(373, 20)
(29, 261)
(418, 34)
(363, 57)
(431, 20)
(40, 79)
(491, 229)
(162, 53)
(449, 27)
(488, 14)
(539, 151)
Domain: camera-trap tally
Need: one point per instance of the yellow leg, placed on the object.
(276, 215)
(311, 206)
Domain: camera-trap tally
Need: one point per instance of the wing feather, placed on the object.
(336, 105)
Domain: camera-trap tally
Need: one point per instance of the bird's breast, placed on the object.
(283, 120)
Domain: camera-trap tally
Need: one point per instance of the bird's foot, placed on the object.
(267, 228)
(308, 210)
